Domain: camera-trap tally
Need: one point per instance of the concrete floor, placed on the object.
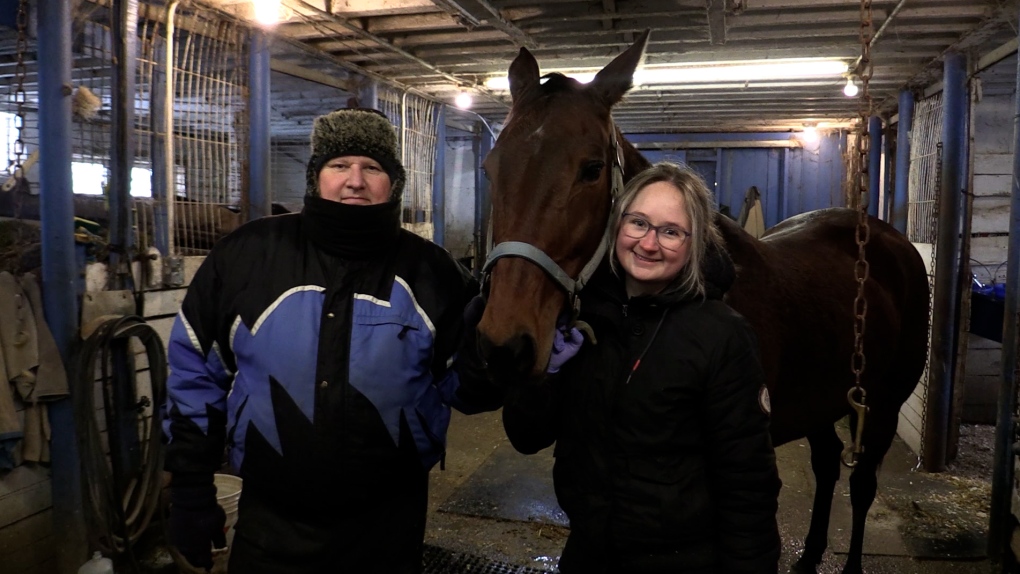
(498, 505)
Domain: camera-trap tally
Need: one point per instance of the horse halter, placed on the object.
(546, 263)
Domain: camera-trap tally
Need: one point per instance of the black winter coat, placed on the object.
(663, 457)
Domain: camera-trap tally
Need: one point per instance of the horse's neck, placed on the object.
(744, 249)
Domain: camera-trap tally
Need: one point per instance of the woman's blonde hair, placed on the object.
(700, 207)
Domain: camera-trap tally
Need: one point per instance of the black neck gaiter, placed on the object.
(351, 231)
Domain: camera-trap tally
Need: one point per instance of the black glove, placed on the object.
(473, 312)
(197, 523)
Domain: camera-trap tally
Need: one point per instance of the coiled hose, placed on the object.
(118, 514)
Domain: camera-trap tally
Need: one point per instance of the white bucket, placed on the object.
(228, 492)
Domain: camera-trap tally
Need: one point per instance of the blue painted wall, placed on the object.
(790, 180)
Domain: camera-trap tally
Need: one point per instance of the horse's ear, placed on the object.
(616, 78)
(523, 74)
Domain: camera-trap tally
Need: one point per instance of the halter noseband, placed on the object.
(546, 263)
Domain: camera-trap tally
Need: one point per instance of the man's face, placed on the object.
(355, 180)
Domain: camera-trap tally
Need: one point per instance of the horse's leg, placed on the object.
(878, 433)
(825, 450)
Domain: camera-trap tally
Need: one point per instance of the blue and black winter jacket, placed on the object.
(320, 375)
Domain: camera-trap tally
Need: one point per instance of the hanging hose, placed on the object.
(120, 503)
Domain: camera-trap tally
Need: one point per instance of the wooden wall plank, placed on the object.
(22, 477)
(23, 532)
(25, 502)
(191, 265)
(993, 164)
(37, 557)
(162, 303)
(992, 185)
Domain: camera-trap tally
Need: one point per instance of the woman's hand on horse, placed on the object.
(566, 344)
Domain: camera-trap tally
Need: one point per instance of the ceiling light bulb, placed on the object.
(267, 12)
(463, 100)
(850, 89)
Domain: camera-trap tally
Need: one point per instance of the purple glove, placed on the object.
(566, 344)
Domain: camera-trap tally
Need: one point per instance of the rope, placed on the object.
(118, 514)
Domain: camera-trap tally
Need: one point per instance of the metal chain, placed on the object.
(933, 226)
(20, 71)
(857, 395)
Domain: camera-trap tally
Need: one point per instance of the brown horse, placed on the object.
(551, 172)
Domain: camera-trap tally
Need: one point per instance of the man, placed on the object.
(321, 349)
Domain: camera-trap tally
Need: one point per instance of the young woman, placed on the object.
(663, 456)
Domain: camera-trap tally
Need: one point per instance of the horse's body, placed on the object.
(796, 285)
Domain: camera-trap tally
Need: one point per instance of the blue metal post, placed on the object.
(439, 179)
(887, 173)
(259, 173)
(59, 272)
(947, 264)
(874, 164)
(900, 197)
(1000, 523)
(482, 145)
(368, 95)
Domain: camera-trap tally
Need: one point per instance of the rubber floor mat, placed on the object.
(443, 561)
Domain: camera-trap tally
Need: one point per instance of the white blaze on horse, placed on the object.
(552, 171)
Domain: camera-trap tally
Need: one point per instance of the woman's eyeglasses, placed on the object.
(669, 237)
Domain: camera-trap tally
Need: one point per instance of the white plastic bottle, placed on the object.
(98, 565)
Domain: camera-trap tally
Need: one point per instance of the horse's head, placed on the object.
(552, 172)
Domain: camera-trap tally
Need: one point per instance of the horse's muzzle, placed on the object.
(510, 362)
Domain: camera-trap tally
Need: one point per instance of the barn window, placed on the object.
(8, 135)
(88, 178)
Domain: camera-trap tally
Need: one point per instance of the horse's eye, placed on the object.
(591, 171)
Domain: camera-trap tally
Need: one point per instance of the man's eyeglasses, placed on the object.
(669, 237)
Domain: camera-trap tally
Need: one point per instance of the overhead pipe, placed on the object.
(901, 190)
(382, 42)
(1000, 523)
(947, 264)
(59, 269)
(881, 29)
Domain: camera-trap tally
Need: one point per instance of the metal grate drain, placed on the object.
(443, 561)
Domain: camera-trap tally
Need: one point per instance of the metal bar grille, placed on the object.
(417, 132)
(922, 194)
(210, 123)
(418, 152)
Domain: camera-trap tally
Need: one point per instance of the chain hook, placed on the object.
(852, 453)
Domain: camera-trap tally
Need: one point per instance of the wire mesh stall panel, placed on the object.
(922, 228)
(210, 130)
(418, 130)
(181, 209)
(922, 220)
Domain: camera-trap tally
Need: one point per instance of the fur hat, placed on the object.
(355, 131)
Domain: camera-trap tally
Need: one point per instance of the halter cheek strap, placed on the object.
(546, 263)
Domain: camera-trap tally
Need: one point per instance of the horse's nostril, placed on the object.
(514, 358)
